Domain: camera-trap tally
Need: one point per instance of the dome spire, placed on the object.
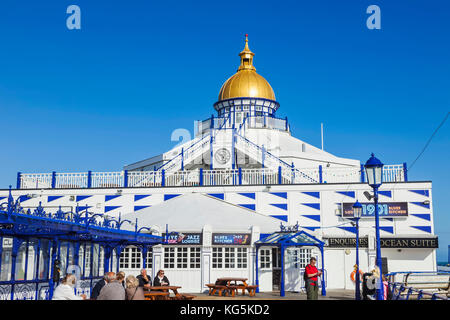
(246, 57)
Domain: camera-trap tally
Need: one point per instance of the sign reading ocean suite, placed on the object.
(231, 238)
(386, 209)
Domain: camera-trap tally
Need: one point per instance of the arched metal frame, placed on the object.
(284, 240)
(71, 238)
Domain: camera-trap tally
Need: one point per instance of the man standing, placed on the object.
(311, 278)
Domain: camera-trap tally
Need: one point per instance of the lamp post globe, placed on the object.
(357, 212)
(374, 172)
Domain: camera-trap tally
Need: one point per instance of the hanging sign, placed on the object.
(184, 238)
(386, 209)
(231, 238)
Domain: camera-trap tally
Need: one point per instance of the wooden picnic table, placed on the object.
(231, 285)
(166, 289)
(156, 295)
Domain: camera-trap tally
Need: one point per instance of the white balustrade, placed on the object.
(269, 175)
(107, 179)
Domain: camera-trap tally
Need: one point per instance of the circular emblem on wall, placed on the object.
(222, 156)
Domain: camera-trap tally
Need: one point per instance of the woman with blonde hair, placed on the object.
(133, 291)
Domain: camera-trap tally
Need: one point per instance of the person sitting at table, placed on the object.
(133, 290)
(161, 279)
(144, 279)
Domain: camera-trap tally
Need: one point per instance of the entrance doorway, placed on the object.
(276, 269)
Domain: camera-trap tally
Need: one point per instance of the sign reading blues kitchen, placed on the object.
(231, 238)
(387, 209)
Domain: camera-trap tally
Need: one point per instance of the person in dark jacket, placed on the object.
(161, 279)
(98, 287)
(144, 279)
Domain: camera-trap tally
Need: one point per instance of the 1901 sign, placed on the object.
(387, 209)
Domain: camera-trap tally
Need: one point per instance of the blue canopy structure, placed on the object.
(59, 239)
(285, 239)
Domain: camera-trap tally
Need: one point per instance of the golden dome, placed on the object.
(246, 82)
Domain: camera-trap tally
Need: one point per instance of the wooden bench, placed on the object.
(428, 281)
(187, 296)
(156, 295)
(251, 290)
(213, 288)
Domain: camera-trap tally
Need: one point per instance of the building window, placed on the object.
(182, 258)
(169, 257)
(195, 257)
(265, 258)
(230, 258)
(217, 260)
(131, 258)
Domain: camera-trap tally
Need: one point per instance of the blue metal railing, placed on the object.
(400, 291)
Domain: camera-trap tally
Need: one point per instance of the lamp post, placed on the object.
(357, 212)
(374, 173)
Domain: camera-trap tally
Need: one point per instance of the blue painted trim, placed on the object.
(163, 177)
(349, 229)
(280, 194)
(386, 193)
(315, 217)
(171, 196)
(53, 198)
(248, 195)
(138, 197)
(347, 193)
(137, 208)
(283, 206)
(312, 205)
(80, 198)
(280, 217)
(248, 206)
(89, 179)
(311, 228)
(220, 196)
(405, 171)
(111, 197)
(279, 175)
(423, 216)
(421, 204)
(240, 176)
(125, 178)
(423, 228)
(320, 174)
(387, 229)
(363, 174)
(313, 194)
(110, 208)
(19, 176)
(53, 180)
(201, 177)
(425, 193)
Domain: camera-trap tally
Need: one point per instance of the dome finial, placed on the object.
(246, 57)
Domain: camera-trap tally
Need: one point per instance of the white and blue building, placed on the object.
(236, 181)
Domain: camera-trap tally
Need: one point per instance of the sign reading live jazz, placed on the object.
(184, 238)
(231, 238)
(387, 209)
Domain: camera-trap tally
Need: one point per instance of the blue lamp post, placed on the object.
(374, 173)
(357, 212)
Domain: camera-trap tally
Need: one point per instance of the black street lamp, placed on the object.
(374, 172)
(357, 212)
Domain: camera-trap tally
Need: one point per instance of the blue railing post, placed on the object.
(240, 175)
(279, 175)
(182, 159)
(405, 171)
(201, 177)
(125, 178)
(320, 174)
(363, 174)
(53, 179)
(263, 156)
(163, 177)
(286, 124)
(19, 179)
(89, 179)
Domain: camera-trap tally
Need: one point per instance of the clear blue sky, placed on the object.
(113, 92)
